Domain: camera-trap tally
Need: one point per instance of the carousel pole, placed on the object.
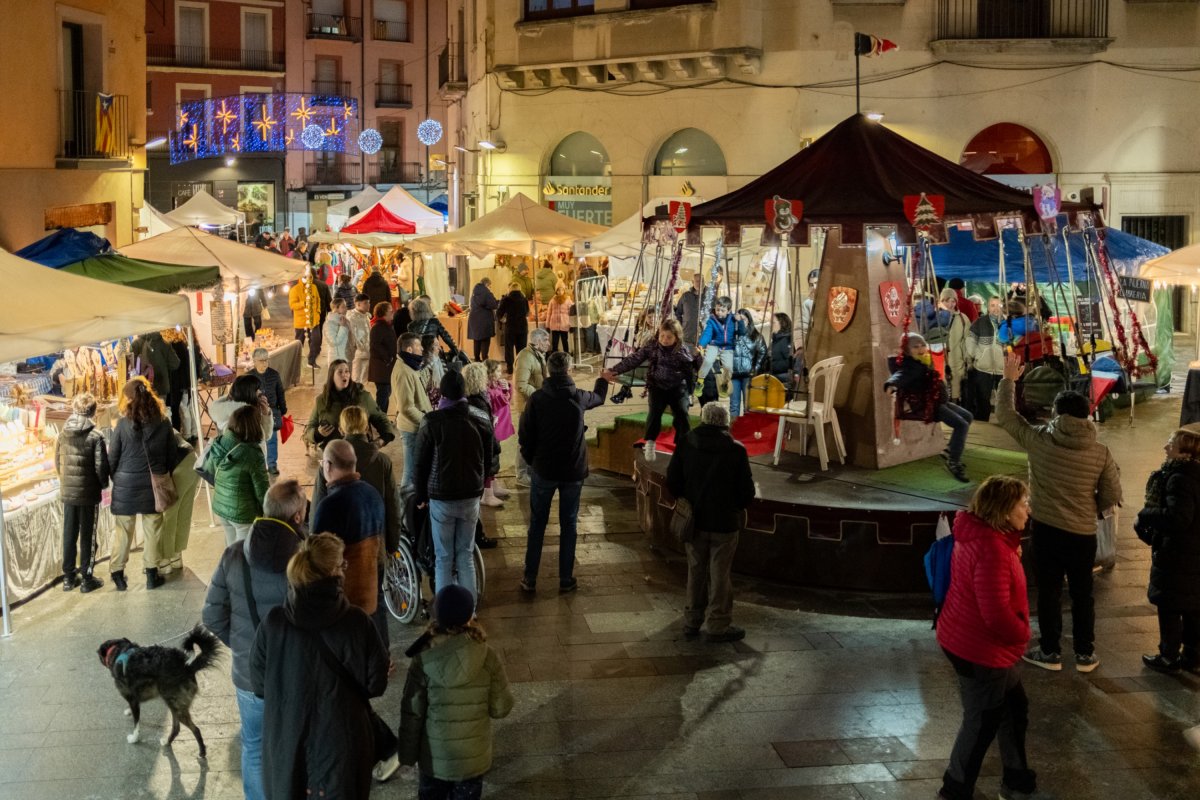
(6, 630)
(191, 345)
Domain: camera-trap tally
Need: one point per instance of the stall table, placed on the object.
(284, 359)
(456, 326)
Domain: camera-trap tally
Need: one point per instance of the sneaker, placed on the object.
(90, 583)
(1050, 661)
(957, 469)
(384, 770)
(1158, 663)
(499, 490)
(70, 582)
(1086, 663)
(730, 634)
(649, 450)
(273, 472)
(690, 633)
(528, 586)
(1012, 794)
(568, 587)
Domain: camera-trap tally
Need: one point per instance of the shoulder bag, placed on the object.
(165, 493)
(683, 523)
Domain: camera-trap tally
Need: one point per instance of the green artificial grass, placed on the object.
(930, 473)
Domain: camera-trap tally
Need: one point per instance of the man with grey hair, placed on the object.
(710, 469)
(528, 374)
(250, 580)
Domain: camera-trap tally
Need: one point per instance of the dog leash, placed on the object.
(176, 636)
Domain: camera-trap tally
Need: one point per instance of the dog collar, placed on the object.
(108, 656)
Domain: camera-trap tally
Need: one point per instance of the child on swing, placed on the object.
(916, 377)
(669, 367)
(718, 339)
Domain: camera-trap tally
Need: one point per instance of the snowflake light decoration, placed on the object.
(369, 141)
(429, 132)
(312, 137)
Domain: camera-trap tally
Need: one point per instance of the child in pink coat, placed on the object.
(500, 397)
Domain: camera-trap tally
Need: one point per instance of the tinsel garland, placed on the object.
(933, 394)
(711, 289)
(1127, 355)
(672, 279)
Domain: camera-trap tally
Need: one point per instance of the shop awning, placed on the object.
(48, 310)
(518, 227)
(148, 275)
(241, 265)
(64, 247)
(204, 209)
(379, 220)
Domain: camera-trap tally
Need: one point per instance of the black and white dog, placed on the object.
(143, 673)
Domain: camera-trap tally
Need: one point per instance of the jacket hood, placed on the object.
(560, 386)
(711, 438)
(239, 452)
(970, 528)
(271, 544)
(317, 605)
(1182, 466)
(1072, 433)
(454, 660)
(79, 426)
(364, 449)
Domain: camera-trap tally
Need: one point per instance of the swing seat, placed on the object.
(814, 412)
(766, 391)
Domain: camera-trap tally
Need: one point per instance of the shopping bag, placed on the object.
(286, 427)
(1106, 539)
(266, 314)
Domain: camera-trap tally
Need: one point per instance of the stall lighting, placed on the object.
(270, 294)
(229, 162)
(680, 151)
(230, 297)
(156, 142)
(875, 116)
(488, 144)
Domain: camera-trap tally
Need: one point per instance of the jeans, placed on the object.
(659, 400)
(315, 337)
(431, 788)
(737, 396)
(710, 580)
(994, 706)
(273, 450)
(250, 709)
(409, 440)
(1058, 553)
(541, 494)
(959, 420)
(383, 394)
(512, 347)
(482, 346)
(453, 525)
(79, 524)
(1178, 629)
(980, 386)
(711, 354)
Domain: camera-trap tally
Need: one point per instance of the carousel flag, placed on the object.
(891, 296)
(866, 44)
(842, 302)
(1047, 199)
(783, 215)
(106, 138)
(681, 215)
(924, 211)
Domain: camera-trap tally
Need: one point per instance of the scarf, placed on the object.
(412, 360)
(446, 402)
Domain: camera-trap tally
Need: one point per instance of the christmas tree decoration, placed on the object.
(369, 141)
(312, 137)
(429, 132)
(924, 211)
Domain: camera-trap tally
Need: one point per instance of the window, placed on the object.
(391, 20)
(1007, 149)
(191, 33)
(328, 77)
(636, 4)
(1169, 231)
(391, 153)
(580, 154)
(549, 9)
(690, 152)
(256, 38)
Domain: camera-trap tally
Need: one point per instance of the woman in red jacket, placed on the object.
(983, 628)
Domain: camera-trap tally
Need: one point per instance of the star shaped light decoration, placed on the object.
(192, 141)
(332, 130)
(265, 123)
(225, 116)
(302, 112)
(183, 118)
(236, 143)
(346, 112)
(291, 136)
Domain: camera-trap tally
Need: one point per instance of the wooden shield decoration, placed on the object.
(783, 215)
(924, 211)
(681, 215)
(842, 302)
(1047, 199)
(891, 297)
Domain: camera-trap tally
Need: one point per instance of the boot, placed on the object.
(70, 582)
(153, 579)
(499, 490)
(118, 579)
(489, 498)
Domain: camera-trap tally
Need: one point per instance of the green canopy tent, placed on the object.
(149, 275)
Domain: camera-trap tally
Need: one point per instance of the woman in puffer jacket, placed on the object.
(983, 628)
(455, 687)
(239, 473)
(749, 351)
(81, 459)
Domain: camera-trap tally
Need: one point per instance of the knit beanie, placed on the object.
(453, 607)
(452, 386)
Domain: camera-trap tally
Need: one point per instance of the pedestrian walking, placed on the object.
(305, 303)
(344, 290)
(376, 288)
(338, 393)
(481, 319)
(1170, 523)
(558, 321)
(426, 325)
(1072, 478)
(81, 460)
(271, 386)
(383, 354)
(513, 312)
(250, 581)
(455, 687)
(252, 313)
(710, 469)
(337, 332)
(239, 474)
(983, 628)
(551, 442)
(316, 662)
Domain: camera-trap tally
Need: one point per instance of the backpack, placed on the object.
(937, 566)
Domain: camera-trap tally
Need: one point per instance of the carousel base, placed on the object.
(842, 528)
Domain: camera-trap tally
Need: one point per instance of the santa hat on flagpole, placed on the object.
(866, 44)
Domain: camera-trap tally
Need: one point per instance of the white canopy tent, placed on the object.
(365, 240)
(204, 209)
(1179, 268)
(404, 205)
(624, 240)
(154, 221)
(96, 311)
(338, 214)
(518, 227)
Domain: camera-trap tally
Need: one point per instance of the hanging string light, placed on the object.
(369, 141)
(429, 132)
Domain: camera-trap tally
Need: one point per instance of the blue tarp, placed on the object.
(65, 246)
(964, 257)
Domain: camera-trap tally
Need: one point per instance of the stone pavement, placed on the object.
(826, 698)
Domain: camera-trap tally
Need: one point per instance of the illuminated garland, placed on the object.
(1128, 355)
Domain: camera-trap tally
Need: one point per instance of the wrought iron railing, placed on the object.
(332, 173)
(452, 65)
(393, 95)
(334, 26)
(1022, 19)
(332, 88)
(178, 55)
(388, 31)
(92, 125)
(396, 172)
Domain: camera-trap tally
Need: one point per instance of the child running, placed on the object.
(916, 376)
(670, 367)
(718, 339)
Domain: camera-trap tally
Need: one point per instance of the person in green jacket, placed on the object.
(455, 687)
(240, 474)
(339, 392)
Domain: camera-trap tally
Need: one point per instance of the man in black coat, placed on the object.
(513, 313)
(551, 442)
(375, 286)
(710, 469)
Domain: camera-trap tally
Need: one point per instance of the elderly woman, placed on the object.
(142, 447)
(983, 628)
(481, 321)
(426, 325)
(338, 393)
(1170, 524)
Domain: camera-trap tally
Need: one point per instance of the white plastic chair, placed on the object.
(822, 383)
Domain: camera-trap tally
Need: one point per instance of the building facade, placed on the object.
(75, 155)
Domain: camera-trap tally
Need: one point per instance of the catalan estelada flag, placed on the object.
(106, 139)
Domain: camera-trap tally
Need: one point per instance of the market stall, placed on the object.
(31, 524)
(64, 246)
(337, 214)
(153, 222)
(400, 203)
(202, 209)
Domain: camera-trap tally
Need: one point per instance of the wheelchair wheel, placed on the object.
(402, 584)
(480, 571)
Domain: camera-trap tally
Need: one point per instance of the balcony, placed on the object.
(85, 132)
(389, 31)
(452, 72)
(177, 55)
(333, 173)
(393, 95)
(334, 26)
(1021, 26)
(396, 172)
(331, 88)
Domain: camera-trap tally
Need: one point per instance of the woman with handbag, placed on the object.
(141, 456)
(316, 662)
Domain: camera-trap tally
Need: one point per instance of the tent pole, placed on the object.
(191, 345)
(4, 607)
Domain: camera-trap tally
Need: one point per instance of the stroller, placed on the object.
(415, 558)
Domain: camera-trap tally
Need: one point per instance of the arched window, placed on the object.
(689, 152)
(580, 154)
(1007, 149)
